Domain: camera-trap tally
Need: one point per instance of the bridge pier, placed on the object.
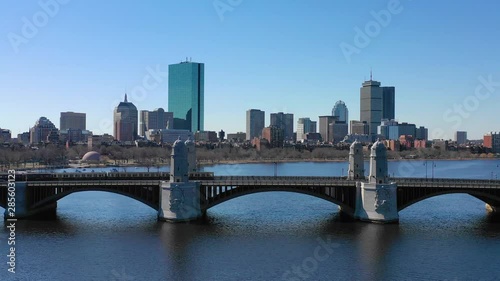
(21, 209)
(492, 209)
(180, 198)
(377, 203)
(376, 200)
(493, 212)
(179, 201)
(345, 215)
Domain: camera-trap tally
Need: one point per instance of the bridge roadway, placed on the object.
(271, 181)
(218, 189)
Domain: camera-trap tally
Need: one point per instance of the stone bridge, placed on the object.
(184, 194)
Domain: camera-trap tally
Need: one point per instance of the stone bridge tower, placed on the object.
(377, 199)
(378, 163)
(179, 198)
(179, 162)
(191, 155)
(356, 162)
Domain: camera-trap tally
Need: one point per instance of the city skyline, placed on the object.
(270, 123)
(52, 73)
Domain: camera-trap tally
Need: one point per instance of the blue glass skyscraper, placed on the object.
(186, 95)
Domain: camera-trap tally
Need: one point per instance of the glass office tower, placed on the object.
(255, 123)
(186, 95)
(388, 103)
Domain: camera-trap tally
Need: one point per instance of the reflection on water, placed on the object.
(374, 245)
(105, 236)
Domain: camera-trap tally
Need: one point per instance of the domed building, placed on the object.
(91, 156)
(125, 121)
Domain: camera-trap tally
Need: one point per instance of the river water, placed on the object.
(265, 236)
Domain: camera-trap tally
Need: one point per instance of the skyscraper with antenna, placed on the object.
(125, 121)
(376, 103)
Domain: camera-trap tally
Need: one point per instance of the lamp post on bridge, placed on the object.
(425, 164)
(432, 169)
(493, 173)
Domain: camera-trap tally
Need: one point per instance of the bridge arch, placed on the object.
(489, 198)
(345, 200)
(148, 200)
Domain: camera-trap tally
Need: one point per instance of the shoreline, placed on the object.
(246, 161)
(265, 161)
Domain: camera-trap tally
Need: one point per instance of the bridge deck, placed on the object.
(94, 183)
(270, 180)
(217, 189)
(446, 183)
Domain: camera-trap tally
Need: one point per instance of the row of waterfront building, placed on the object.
(377, 114)
(185, 118)
(185, 115)
(377, 121)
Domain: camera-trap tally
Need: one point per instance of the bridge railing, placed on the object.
(278, 181)
(94, 183)
(279, 177)
(285, 181)
(448, 183)
(444, 180)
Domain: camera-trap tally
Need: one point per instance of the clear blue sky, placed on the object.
(280, 55)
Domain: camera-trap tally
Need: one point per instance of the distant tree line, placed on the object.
(53, 155)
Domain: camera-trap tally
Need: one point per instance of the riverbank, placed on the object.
(154, 157)
(264, 161)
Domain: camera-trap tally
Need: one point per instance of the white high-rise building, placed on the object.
(304, 126)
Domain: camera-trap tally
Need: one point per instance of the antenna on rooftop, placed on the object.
(371, 74)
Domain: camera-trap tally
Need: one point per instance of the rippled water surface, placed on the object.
(265, 236)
